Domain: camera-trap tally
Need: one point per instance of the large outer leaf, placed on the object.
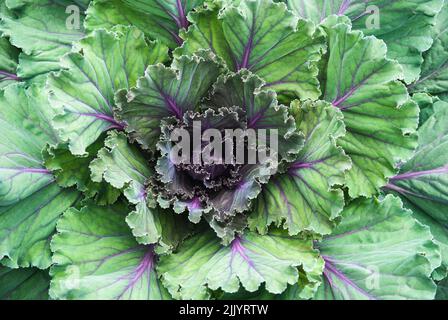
(165, 92)
(434, 77)
(96, 257)
(124, 167)
(202, 262)
(8, 63)
(378, 252)
(263, 37)
(423, 180)
(160, 19)
(25, 130)
(303, 195)
(23, 284)
(39, 28)
(27, 226)
(380, 125)
(84, 94)
(30, 203)
(405, 25)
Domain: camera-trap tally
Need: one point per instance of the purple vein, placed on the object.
(194, 204)
(352, 90)
(182, 17)
(172, 105)
(405, 192)
(284, 197)
(248, 48)
(337, 102)
(305, 165)
(33, 170)
(100, 116)
(354, 231)
(145, 265)
(10, 75)
(430, 75)
(142, 194)
(176, 20)
(256, 118)
(28, 170)
(178, 40)
(398, 189)
(411, 175)
(330, 268)
(344, 6)
(237, 248)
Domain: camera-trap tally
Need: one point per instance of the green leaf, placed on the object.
(83, 94)
(303, 196)
(206, 32)
(263, 37)
(405, 25)
(106, 14)
(379, 251)
(125, 168)
(14, 4)
(423, 181)
(24, 126)
(426, 105)
(444, 97)
(438, 230)
(159, 19)
(202, 263)
(380, 125)
(8, 63)
(27, 226)
(442, 290)
(70, 170)
(305, 289)
(165, 92)
(226, 227)
(42, 31)
(23, 284)
(434, 77)
(96, 257)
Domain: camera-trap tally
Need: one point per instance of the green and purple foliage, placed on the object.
(92, 207)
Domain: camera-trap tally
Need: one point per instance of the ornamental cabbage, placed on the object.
(351, 202)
